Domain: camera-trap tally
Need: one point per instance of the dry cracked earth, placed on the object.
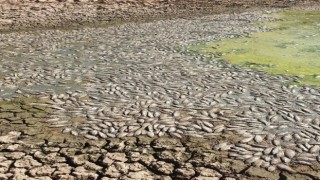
(131, 102)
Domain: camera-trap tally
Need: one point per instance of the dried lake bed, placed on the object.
(132, 101)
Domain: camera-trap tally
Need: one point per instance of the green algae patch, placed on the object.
(292, 47)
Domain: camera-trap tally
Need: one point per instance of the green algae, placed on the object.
(291, 48)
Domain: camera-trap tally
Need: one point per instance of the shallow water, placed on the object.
(291, 48)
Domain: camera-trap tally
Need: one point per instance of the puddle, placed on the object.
(292, 47)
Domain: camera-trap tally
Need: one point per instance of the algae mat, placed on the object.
(292, 47)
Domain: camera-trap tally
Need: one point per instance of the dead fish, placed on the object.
(314, 149)
(207, 129)
(267, 151)
(91, 137)
(285, 167)
(222, 146)
(271, 168)
(258, 138)
(252, 159)
(247, 139)
(289, 153)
